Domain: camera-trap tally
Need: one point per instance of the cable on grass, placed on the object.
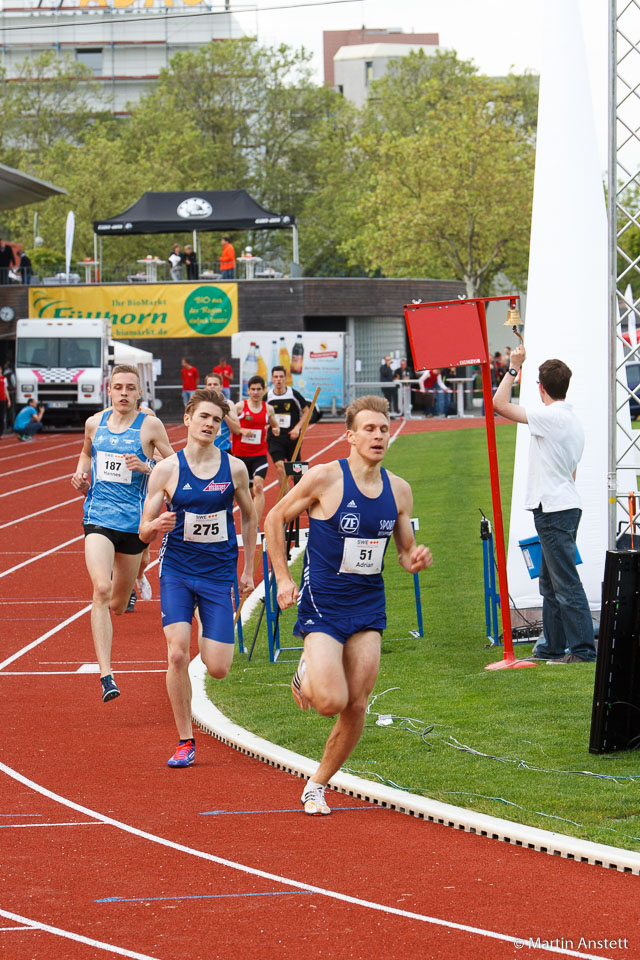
(410, 724)
(524, 765)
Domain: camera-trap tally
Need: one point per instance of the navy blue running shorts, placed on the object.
(179, 596)
(340, 628)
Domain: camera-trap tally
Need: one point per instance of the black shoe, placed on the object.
(132, 602)
(109, 689)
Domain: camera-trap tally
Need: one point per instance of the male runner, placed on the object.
(113, 468)
(250, 445)
(354, 507)
(199, 553)
(290, 409)
(230, 425)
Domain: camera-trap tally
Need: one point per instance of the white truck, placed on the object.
(65, 365)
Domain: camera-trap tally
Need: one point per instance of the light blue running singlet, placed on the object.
(116, 495)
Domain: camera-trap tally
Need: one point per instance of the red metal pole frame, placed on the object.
(498, 528)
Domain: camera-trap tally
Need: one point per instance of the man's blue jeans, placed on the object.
(566, 617)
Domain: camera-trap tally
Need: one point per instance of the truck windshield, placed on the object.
(34, 352)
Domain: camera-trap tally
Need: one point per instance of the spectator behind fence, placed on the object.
(386, 376)
(25, 268)
(227, 259)
(225, 371)
(29, 420)
(5, 404)
(190, 260)
(190, 376)
(6, 260)
(175, 262)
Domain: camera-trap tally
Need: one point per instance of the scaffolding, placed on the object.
(623, 205)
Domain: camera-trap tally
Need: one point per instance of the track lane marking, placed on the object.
(45, 636)
(40, 556)
(29, 516)
(68, 935)
(285, 881)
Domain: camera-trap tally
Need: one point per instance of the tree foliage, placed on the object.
(433, 177)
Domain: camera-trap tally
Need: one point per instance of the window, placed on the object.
(92, 58)
(368, 72)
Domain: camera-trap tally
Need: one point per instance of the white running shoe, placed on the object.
(313, 800)
(144, 588)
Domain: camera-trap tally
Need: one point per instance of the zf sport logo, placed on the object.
(349, 523)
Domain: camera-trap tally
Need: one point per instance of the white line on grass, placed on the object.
(285, 881)
(68, 935)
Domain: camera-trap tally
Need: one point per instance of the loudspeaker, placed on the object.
(615, 717)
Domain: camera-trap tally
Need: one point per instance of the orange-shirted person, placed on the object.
(227, 260)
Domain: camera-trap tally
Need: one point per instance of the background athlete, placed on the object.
(354, 507)
(113, 469)
(290, 408)
(251, 444)
(230, 425)
(199, 553)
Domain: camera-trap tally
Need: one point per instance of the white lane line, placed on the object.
(43, 463)
(285, 881)
(41, 483)
(25, 563)
(69, 823)
(68, 935)
(45, 636)
(66, 673)
(29, 450)
(54, 630)
(29, 516)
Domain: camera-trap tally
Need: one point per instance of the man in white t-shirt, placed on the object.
(557, 442)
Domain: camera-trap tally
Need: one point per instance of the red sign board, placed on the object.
(445, 334)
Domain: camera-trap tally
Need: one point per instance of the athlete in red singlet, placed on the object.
(250, 445)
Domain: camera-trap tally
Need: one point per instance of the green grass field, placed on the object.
(511, 743)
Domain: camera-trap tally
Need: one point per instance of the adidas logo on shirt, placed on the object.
(187, 486)
(352, 503)
(308, 621)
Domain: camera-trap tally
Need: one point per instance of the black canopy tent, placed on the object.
(181, 211)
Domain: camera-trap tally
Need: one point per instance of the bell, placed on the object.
(513, 316)
(513, 319)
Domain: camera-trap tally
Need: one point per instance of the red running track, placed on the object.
(106, 852)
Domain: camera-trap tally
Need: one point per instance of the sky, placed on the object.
(498, 35)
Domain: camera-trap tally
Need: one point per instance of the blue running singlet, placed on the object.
(223, 439)
(203, 542)
(344, 559)
(116, 495)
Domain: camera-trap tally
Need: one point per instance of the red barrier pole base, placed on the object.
(510, 662)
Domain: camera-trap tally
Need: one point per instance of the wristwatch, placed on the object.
(513, 371)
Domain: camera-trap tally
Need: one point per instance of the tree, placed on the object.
(453, 199)
(49, 101)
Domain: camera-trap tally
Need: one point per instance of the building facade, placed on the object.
(335, 40)
(125, 43)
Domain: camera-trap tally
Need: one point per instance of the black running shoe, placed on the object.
(132, 602)
(109, 688)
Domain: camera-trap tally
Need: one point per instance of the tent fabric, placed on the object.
(185, 211)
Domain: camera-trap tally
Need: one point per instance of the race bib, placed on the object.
(205, 527)
(362, 556)
(284, 420)
(254, 436)
(112, 468)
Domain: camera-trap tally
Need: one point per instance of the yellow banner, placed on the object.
(166, 310)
